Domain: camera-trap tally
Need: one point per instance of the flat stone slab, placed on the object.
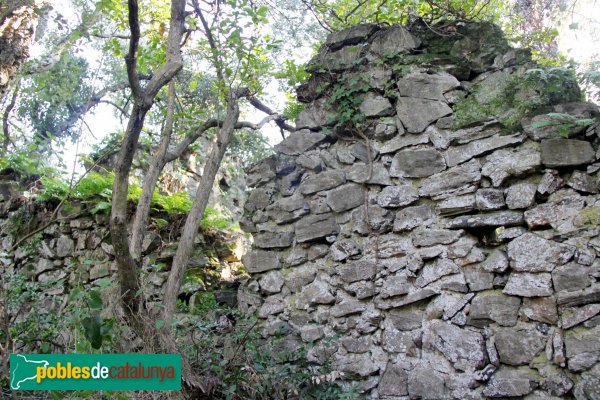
(315, 227)
(322, 181)
(494, 306)
(345, 197)
(430, 237)
(528, 284)
(579, 297)
(397, 196)
(566, 152)
(395, 39)
(417, 114)
(456, 205)
(502, 164)
(427, 86)
(459, 154)
(499, 218)
(418, 163)
(413, 297)
(508, 382)
(375, 105)
(299, 142)
(357, 271)
(353, 35)
(402, 141)
(518, 345)
(462, 347)
(260, 261)
(412, 217)
(521, 195)
(582, 348)
(531, 253)
(451, 179)
(270, 240)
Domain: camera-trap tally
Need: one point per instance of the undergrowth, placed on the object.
(95, 191)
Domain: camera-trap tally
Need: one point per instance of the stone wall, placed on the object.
(76, 253)
(446, 246)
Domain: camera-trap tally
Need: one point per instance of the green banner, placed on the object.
(95, 371)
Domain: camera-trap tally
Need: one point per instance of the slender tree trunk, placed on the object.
(192, 223)
(157, 164)
(128, 267)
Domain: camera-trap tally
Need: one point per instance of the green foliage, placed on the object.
(292, 109)
(346, 98)
(245, 366)
(248, 146)
(563, 122)
(51, 99)
(554, 84)
(509, 98)
(25, 164)
(177, 203)
(214, 219)
(340, 14)
(590, 79)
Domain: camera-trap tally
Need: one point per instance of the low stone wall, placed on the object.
(446, 248)
(75, 253)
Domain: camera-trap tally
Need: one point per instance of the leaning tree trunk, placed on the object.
(18, 21)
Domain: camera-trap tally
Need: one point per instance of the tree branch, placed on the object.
(174, 58)
(6, 130)
(131, 57)
(211, 41)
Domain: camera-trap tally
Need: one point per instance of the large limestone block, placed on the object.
(494, 306)
(322, 181)
(462, 347)
(528, 284)
(531, 253)
(566, 153)
(260, 261)
(353, 35)
(316, 226)
(459, 154)
(451, 179)
(518, 345)
(502, 164)
(345, 197)
(299, 142)
(418, 163)
(397, 196)
(427, 86)
(375, 105)
(582, 348)
(396, 39)
(417, 114)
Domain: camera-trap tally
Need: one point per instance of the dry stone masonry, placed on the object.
(447, 247)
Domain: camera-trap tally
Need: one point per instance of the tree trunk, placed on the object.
(18, 20)
(157, 164)
(128, 267)
(192, 223)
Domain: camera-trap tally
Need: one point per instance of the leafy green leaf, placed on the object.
(93, 330)
(95, 300)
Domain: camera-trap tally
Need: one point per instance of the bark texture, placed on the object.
(18, 21)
